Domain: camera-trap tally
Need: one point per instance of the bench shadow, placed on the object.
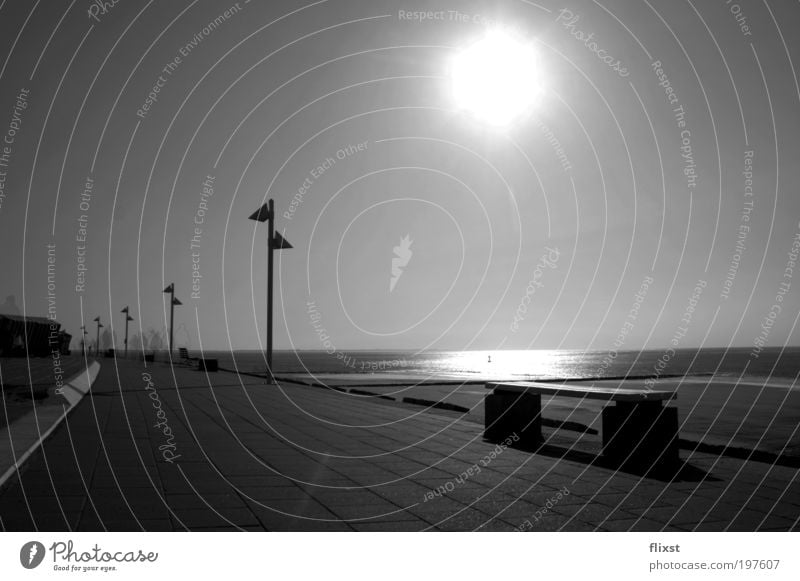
(677, 472)
(741, 453)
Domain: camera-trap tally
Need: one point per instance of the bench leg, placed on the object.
(507, 414)
(640, 435)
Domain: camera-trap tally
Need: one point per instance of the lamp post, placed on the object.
(173, 302)
(83, 340)
(97, 344)
(128, 319)
(275, 241)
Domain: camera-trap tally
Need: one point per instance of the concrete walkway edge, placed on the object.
(23, 437)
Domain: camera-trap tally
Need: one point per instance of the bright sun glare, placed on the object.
(498, 78)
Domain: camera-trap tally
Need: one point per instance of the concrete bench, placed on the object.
(637, 431)
(207, 364)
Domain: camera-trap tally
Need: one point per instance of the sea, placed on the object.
(773, 365)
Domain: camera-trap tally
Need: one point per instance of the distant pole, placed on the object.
(171, 290)
(173, 302)
(128, 318)
(97, 344)
(275, 241)
(83, 340)
(270, 245)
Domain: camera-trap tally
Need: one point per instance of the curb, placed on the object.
(73, 391)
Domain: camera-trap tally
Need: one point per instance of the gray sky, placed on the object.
(261, 99)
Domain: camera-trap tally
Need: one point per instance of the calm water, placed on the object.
(780, 365)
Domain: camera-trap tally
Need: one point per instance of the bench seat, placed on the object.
(582, 391)
(637, 431)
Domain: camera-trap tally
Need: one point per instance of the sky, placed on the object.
(648, 199)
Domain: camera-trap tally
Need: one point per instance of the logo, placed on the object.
(31, 554)
(402, 254)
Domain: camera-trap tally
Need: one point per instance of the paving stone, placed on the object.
(390, 526)
(277, 459)
(194, 518)
(467, 520)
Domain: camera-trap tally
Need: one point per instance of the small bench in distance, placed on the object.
(638, 431)
(184, 357)
(207, 364)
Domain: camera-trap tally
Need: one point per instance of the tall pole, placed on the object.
(128, 318)
(266, 213)
(173, 302)
(97, 343)
(171, 315)
(270, 245)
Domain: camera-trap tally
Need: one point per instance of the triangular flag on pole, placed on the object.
(279, 242)
(260, 215)
(170, 288)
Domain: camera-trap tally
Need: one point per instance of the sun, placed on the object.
(498, 79)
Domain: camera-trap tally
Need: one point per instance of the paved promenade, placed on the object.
(227, 452)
